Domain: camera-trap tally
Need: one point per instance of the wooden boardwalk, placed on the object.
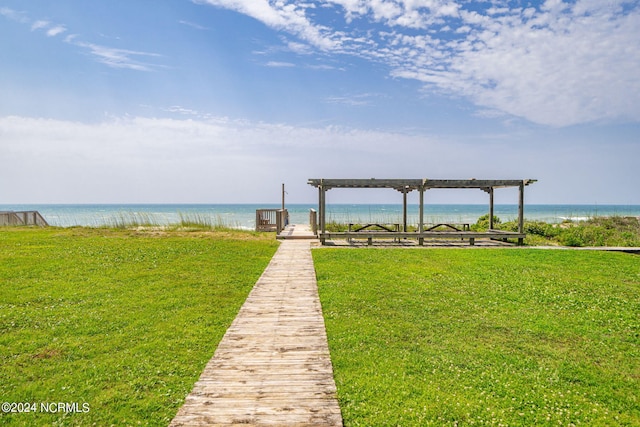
(272, 367)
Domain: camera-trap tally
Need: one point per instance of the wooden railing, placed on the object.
(271, 219)
(22, 218)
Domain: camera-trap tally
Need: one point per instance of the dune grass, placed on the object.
(595, 231)
(120, 322)
(451, 337)
(186, 222)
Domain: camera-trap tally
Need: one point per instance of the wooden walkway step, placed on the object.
(296, 231)
(272, 367)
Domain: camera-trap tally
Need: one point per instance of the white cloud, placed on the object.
(119, 58)
(559, 64)
(183, 111)
(299, 48)
(112, 57)
(279, 64)
(558, 68)
(58, 29)
(282, 15)
(13, 15)
(193, 25)
(38, 25)
(70, 38)
(401, 13)
(51, 30)
(359, 100)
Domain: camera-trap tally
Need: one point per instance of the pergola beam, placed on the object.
(415, 184)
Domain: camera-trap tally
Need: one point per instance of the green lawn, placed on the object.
(119, 322)
(483, 337)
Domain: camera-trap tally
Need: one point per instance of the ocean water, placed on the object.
(243, 215)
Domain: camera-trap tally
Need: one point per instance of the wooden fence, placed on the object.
(271, 219)
(22, 218)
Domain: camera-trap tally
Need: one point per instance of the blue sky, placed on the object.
(221, 101)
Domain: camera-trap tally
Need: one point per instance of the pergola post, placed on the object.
(404, 209)
(490, 208)
(521, 212)
(421, 216)
(323, 210)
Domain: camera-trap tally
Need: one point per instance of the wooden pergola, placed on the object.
(406, 186)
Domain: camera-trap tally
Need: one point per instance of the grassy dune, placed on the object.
(596, 231)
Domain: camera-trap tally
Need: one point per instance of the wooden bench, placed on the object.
(464, 235)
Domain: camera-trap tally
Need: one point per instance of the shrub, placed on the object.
(585, 235)
(483, 222)
(540, 228)
(572, 237)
